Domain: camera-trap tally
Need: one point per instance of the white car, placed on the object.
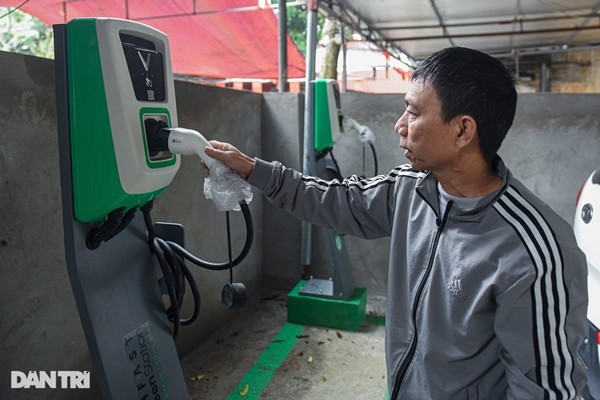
(587, 230)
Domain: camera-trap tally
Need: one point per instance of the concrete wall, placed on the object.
(40, 328)
(283, 117)
(554, 144)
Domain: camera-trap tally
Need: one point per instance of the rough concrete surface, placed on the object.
(325, 364)
(328, 364)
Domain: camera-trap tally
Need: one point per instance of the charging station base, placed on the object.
(331, 313)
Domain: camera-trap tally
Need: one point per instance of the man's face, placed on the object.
(429, 141)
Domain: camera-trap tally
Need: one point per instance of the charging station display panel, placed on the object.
(146, 68)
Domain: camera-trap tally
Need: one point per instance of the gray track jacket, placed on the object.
(484, 304)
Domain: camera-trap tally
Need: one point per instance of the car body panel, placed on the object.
(586, 225)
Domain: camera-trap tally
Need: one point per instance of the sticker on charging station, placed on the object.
(146, 369)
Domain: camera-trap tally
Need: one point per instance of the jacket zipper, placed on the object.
(413, 344)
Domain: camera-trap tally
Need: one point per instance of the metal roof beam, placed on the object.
(487, 23)
(583, 23)
(528, 51)
(441, 21)
(487, 34)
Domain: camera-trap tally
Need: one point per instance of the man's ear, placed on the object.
(466, 130)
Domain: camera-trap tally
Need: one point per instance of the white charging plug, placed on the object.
(188, 142)
(365, 134)
(223, 186)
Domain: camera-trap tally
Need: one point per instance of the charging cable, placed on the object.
(114, 224)
(365, 136)
(233, 294)
(171, 258)
(170, 255)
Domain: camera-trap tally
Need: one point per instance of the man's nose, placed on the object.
(401, 123)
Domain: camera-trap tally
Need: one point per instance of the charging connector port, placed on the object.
(157, 139)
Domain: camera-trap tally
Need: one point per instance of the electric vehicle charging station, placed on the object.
(100, 91)
(119, 145)
(328, 128)
(334, 302)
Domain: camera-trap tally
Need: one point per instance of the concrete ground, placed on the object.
(322, 363)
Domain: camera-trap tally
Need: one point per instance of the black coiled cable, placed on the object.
(171, 257)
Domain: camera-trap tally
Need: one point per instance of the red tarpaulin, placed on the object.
(208, 38)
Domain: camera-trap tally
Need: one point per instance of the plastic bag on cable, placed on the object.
(226, 188)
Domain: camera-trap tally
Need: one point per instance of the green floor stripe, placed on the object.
(261, 373)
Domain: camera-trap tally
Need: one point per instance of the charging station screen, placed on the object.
(146, 68)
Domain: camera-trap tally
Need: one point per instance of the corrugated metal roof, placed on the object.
(501, 28)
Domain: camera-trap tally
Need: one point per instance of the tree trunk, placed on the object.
(331, 39)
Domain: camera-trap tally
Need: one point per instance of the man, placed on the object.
(487, 292)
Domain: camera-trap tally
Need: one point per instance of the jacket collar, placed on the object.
(427, 189)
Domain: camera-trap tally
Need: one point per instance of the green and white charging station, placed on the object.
(334, 302)
(328, 115)
(119, 77)
(111, 77)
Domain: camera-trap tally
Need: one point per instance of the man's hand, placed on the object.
(231, 157)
